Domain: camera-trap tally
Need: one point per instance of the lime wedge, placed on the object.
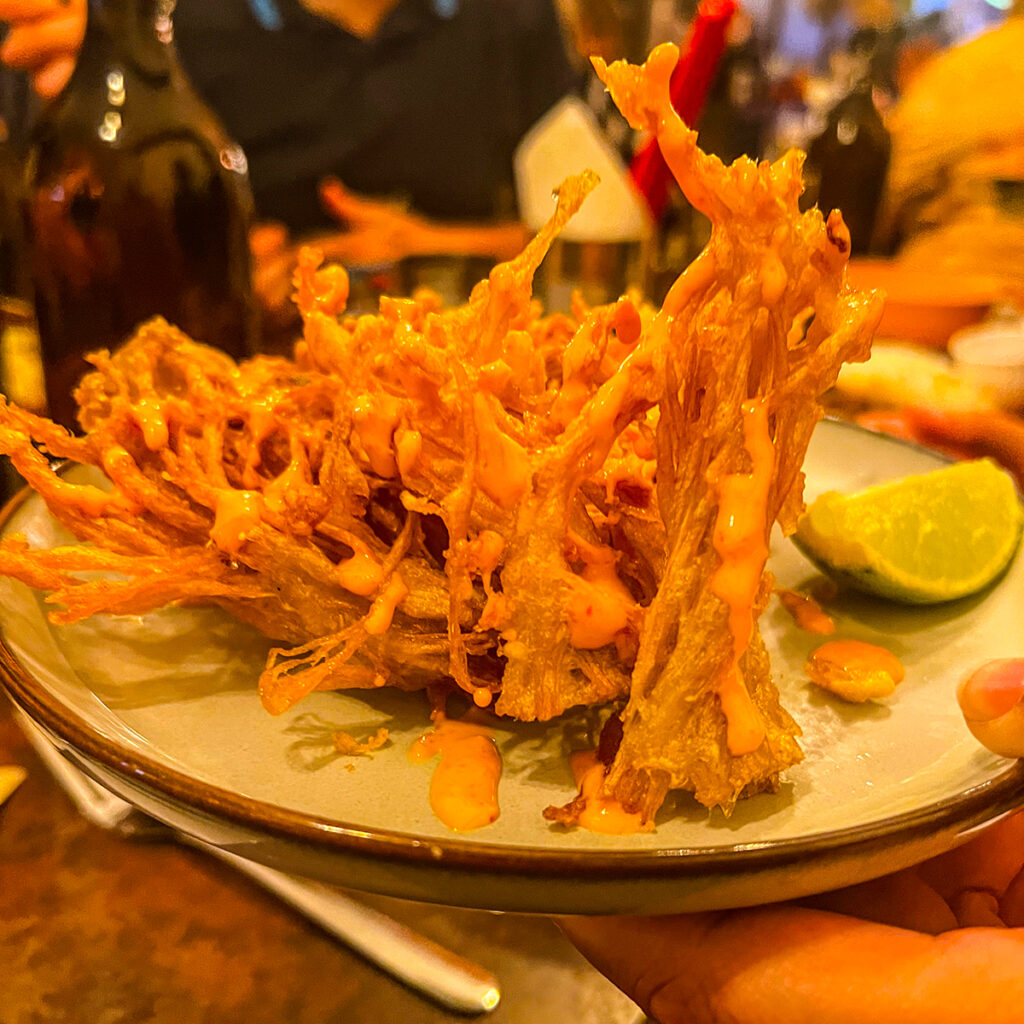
(923, 539)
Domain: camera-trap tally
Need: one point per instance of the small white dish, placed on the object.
(992, 357)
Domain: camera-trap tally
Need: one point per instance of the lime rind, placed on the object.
(924, 539)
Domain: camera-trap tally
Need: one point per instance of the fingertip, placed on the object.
(993, 689)
(1011, 906)
(53, 77)
(991, 702)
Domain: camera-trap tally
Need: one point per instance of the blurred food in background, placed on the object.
(926, 306)
(897, 375)
(953, 191)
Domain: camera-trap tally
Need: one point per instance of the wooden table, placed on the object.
(97, 929)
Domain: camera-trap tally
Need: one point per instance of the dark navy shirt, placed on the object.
(428, 111)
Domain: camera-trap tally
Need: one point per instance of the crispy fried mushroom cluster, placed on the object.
(542, 511)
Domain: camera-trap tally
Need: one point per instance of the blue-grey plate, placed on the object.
(163, 710)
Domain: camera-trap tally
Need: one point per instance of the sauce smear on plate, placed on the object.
(806, 612)
(464, 786)
(855, 670)
(601, 813)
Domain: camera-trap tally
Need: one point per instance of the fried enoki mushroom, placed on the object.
(750, 335)
(540, 511)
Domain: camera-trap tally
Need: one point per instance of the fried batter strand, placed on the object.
(540, 511)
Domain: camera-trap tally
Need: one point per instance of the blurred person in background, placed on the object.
(379, 129)
(606, 29)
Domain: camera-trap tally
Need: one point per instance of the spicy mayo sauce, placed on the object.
(601, 813)
(855, 670)
(740, 540)
(807, 613)
(236, 515)
(464, 786)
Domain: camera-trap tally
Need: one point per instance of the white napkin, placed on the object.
(568, 140)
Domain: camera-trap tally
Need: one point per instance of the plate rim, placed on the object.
(986, 802)
(977, 805)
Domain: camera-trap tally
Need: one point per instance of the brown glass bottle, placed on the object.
(21, 377)
(137, 203)
(850, 160)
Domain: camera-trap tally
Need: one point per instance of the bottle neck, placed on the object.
(135, 33)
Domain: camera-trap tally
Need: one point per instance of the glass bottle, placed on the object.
(849, 161)
(137, 203)
(21, 373)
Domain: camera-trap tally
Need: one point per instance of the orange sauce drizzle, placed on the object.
(855, 670)
(484, 552)
(503, 467)
(408, 447)
(599, 605)
(262, 423)
(495, 613)
(482, 696)
(291, 480)
(117, 462)
(697, 277)
(375, 419)
(511, 647)
(494, 377)
(603, 410)
(739, 538)
(382, 611)
(601, 813)
(236, 515)
(464, 786)
(806, 612)
(152, 422)
(89, 500)
(572, 396)
(627, 323)
(773, 275)
(361, 574)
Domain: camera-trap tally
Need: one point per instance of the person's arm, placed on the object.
(371, 232)
(939, 944)
(376, 231)
(43, 40)
(791, 965)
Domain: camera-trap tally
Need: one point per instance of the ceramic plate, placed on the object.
(162, 709)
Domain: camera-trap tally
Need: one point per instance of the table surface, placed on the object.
(98, 929)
